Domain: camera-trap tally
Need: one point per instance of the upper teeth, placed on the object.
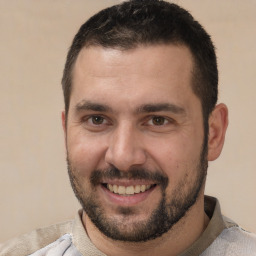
(130, 190)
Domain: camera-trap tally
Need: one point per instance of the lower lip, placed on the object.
(129, 200)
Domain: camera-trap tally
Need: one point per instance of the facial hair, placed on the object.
(166, 214)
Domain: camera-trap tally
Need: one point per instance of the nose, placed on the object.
(125, 148)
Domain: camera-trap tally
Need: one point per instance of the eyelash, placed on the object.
(149, 120)
(86, 119)
(164, 120)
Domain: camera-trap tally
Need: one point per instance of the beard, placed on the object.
(170, 210)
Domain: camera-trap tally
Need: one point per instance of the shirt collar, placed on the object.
(216, 225)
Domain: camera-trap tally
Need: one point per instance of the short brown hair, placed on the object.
(149, 22)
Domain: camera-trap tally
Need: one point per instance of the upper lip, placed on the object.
(127, 182)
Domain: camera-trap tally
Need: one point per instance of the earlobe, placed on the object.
(218, 123)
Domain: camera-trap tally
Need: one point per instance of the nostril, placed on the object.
(125, 160)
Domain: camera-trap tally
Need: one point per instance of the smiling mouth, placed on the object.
(129, 190)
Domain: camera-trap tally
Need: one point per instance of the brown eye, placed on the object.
(97, 120)
(158, 120)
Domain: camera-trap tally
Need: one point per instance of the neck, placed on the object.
(181, 236)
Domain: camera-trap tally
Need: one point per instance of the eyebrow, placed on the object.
(88, 105)
(147, 108)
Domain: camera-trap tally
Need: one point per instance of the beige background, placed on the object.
(35, 36)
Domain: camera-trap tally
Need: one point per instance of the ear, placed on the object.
(218, 123)
(64, 126)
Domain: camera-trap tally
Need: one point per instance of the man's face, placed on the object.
(135, 140)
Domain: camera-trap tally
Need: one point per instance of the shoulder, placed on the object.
(233, 241)
(239, 239)
(35, 240)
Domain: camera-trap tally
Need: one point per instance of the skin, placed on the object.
(126, 138)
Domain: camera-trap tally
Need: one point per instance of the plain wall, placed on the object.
(35, 37)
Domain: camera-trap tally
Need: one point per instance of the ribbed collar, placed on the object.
(216, 225)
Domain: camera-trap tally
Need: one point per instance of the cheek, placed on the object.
(85, 153)
(176, 157)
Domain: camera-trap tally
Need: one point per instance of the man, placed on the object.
(141, 123)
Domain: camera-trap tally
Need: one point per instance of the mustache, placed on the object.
(133, 174)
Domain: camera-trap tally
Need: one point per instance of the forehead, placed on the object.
(155, 72)
(96, 60)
